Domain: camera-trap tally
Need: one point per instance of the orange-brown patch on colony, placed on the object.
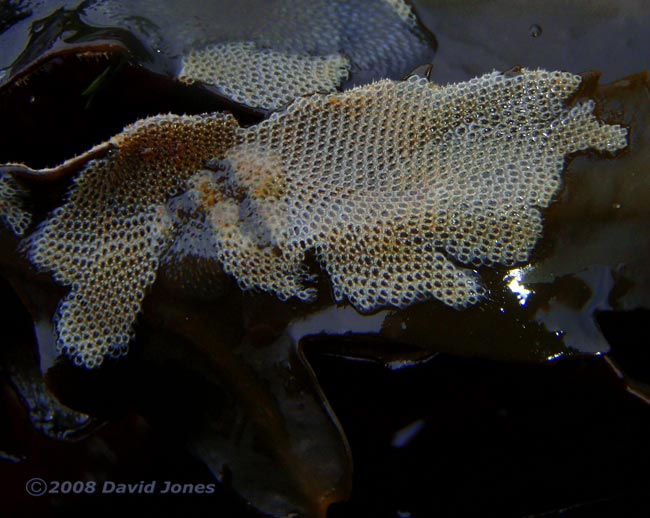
(106, 241)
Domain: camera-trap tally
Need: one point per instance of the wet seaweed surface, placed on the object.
(532, 404)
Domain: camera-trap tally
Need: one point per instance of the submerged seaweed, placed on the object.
(228, 374)
(387, 218)
(260, 54)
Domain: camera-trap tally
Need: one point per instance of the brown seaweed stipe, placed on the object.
(105, 242)
(393, 184)
(399, 189)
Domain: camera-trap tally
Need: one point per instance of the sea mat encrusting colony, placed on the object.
(393, 184)
(261, 77)
(13, 213)
(398, 189)
(106, 240)
(307, 47)
(259, 53)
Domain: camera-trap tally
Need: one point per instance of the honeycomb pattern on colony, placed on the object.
(403, 10)
(231, 235)
(13, 214)
(106, 241)
(263, 78)
(190, 264)
(399, 189)
(303, 47)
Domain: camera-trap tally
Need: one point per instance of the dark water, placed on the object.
(470, 431)
(477, 36)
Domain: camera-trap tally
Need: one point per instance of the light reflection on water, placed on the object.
(514, 280)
